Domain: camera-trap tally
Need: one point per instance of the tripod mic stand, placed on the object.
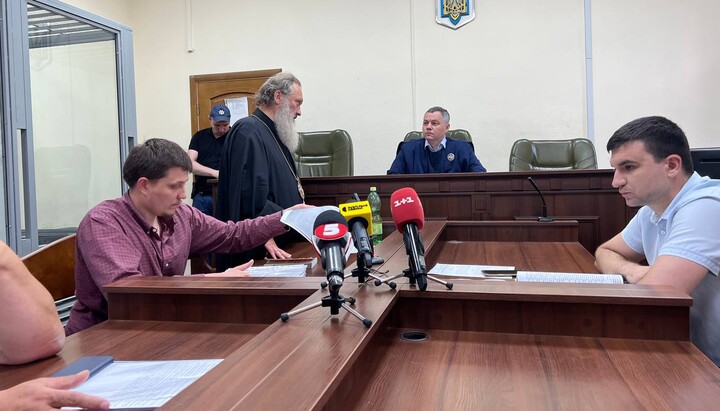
(420, 279)
(416, 271)
(335, 301)
(362, 271)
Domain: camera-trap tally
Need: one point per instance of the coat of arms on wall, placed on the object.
(455, 13)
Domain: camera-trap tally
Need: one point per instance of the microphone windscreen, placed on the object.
(330, 225)
(406, 207)
(358, 211)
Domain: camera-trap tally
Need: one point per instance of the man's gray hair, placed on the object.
(444, 113)
(283, 82)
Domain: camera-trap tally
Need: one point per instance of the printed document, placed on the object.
(467, 270)
(145, 384)
(548, 277)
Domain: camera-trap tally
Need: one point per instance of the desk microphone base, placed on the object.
(362, 275)
(421, 280)
(335, 302)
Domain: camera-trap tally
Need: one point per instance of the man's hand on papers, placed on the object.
(239, 271)
(51, 393)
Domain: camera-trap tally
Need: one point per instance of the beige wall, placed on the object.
(373, 67)
(657, 58)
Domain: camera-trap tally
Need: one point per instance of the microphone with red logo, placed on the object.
(329, 239)
(409, 218)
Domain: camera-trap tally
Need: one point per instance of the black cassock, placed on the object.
(255, 180)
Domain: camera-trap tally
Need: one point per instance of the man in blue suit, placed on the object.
(436, 153)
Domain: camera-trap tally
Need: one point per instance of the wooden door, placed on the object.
(207, 90)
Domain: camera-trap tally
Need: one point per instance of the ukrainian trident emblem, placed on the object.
(455, 13)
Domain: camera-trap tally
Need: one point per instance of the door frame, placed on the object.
(197, 120)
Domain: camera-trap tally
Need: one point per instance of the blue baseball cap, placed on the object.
(220, 113)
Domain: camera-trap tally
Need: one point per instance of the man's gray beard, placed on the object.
(285, 124)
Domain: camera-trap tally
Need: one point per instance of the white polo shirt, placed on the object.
(689, 228)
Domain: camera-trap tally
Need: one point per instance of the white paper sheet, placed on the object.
(293, 270)
(238, 108)
(467, 270)
(551, 277)
(302, 220)
(145, 384)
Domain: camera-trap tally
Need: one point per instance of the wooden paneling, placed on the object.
(583, 195)
(582, 319)
(557, 231)
(217, 300)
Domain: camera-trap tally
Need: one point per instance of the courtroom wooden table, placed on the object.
(139, 340)
(491, 345)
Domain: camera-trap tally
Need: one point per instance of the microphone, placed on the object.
(329, 239)
(359, 217)
(409, 217)
(544, 218)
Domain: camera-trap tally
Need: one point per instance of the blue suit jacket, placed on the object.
(457, 157)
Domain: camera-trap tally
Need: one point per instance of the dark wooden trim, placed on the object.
(583, 195)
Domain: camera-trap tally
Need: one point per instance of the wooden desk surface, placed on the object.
(139, 340)
(455, 370)
(493, 345)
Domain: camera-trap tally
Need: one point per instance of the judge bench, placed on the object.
(491, 344)
(585, 196)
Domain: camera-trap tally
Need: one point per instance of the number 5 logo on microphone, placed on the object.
(331, 231)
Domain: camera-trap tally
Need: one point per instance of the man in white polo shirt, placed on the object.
(677, 230)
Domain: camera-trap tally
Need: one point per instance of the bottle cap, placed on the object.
(373, 189)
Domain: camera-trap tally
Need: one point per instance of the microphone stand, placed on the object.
(335, 301)
(416, 271)
(544, 218)
(362, 271)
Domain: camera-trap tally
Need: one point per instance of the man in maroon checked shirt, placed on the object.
(149, 231)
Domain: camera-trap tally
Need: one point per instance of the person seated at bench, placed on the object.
(436, 153)
(149, 231)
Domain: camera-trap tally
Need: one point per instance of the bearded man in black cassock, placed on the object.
(257, 171)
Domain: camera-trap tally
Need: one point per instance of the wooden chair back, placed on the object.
(54, 266)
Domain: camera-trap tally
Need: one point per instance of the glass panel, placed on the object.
(75, 124)
(3, 211)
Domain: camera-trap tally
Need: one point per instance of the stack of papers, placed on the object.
(549, 277)
(144, 384)
(509, 272)
(471, 271)
(292, 270)
(311, 262)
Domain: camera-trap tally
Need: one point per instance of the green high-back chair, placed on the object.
(324, 153)
(552, 155)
